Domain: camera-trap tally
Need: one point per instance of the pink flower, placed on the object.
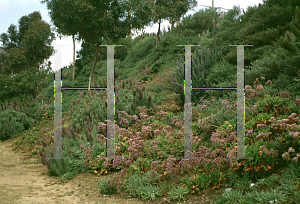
(203, 106)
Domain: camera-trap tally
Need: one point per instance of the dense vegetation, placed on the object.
(149, 125)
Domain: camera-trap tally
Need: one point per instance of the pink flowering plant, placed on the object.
(148, 140)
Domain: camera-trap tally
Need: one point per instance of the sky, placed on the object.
(12, 11)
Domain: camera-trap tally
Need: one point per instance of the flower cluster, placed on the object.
(156, 132)
(250, 132)
(261, 136)
(292, 117)
(260, 126)
(146, 131)
(272, 152)
(154, 164)
(203, 120)
(232, 162)
(218, 162)
(136, 147)
(171, 165)
(219, 136)
(284, 94)
(251, 93)
(177, 122)
(294, 134)
(123, 120)
(286, 155)
(254, 108)
(215, 152)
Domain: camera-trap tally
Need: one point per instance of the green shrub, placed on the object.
(12, 123)
(145, 77)
(263, 162)
(104, 188)
(155, 67)
(178, 193)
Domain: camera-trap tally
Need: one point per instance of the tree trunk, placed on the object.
(40, 77)
(158, 32)
(94, 65)
(172, 23)
(73, 58)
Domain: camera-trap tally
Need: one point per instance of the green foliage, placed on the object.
(67, 168)
(155, 67)
(12, 123)
(282, 105)
(140, 165)
(267, 60)
(203, 181)
(60, 168)
(18, 86)
(104, 188)
(81, 110)
(257, 117)
(150, 192)
(267, 183)
(266, 196)
(262, 162)
(201, 70)
(200, 22)
(146, 77)
(142, 185)
(232, 20)
(139, 51)
(231, 197)
(222, 74)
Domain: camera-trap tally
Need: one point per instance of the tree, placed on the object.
(170, 10)
(26, 48)
(288, 43)
(12, 57)
(178, 8)
(291, 42)
(67, 26)
(38, 34)
(94, 19)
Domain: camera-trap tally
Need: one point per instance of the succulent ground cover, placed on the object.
(151, 136)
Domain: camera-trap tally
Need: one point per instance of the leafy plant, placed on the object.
(104, 188)
(133, 184)
(145, 78)
(155, 68)
(178, 193)
(263, 160)
(231, 197)
(150, 192)
(12, 123)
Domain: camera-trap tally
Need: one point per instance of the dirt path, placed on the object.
(23, 183)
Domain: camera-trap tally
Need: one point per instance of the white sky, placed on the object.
(12, 11)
